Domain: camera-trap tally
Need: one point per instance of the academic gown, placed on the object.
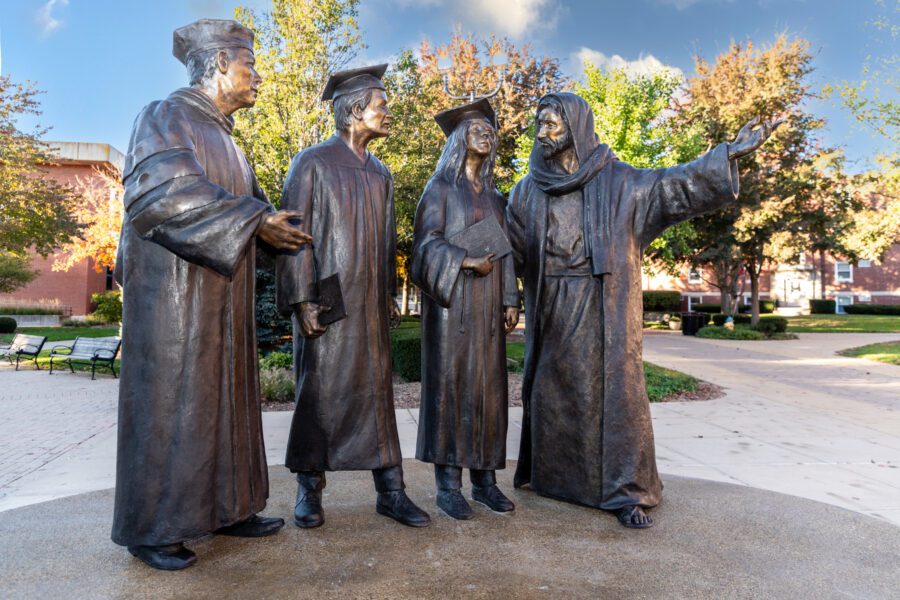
(190, 445)
(587, 435)
(464, 401)
(344, 419)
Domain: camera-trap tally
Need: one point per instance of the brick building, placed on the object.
(71, 289)
(793, 285)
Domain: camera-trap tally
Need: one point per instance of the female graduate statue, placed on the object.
(468, 306)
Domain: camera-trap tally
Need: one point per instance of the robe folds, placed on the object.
(344, 419)
(190, 446)
(587, 435)
(464, 402)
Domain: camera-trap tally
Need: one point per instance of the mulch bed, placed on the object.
(406, 395)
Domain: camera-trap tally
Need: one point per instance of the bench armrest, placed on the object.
(109, 353)
(32, 346)
(5, 346)
(59, 350)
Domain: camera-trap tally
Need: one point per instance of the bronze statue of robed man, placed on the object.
(579, 223)
(190, 448)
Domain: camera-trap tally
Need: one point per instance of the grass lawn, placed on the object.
(844, 324)
(886, 352)
(661, 382)
(56, 334)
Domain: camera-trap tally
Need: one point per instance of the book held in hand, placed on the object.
(483, 238)
(330, 295)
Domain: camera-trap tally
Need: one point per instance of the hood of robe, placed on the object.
(592, 155)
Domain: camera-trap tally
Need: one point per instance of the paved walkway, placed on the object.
(796, 419)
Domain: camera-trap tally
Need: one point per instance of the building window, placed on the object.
(864, 263)
(842, 300)
(843, 272)
(694, 277)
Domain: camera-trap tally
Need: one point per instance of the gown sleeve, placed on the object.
(295, 272)
(435, 263)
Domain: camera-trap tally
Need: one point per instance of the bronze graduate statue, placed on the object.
(344, 419)
(190, 446)
(579, 223)
(469, 305)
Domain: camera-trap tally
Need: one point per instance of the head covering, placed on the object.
(451, 118)
(592, 155)
(354, 80)
(210, 34)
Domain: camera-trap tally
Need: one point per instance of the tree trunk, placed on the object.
(404, 303)
(754, 297)
(822, 274)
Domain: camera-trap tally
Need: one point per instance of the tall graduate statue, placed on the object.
(470, 302)
(190, 456)
(344, 419)
(579, 223)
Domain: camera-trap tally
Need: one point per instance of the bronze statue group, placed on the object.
(191, 460)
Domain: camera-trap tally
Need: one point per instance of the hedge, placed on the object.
(705, 307)
(766, 307)
(873, 309)
(719, 319)
(31, 310)
(738, 333)
(406, 348)
(772, 325)
(277, 360)
(8, 325)
(662, 301)
(822, 307)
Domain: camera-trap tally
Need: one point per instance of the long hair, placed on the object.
(451, 166)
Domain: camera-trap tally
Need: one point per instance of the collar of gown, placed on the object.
(204, 104)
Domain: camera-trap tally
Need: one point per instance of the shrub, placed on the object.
(822, 307)
(8, 325)
(705, 307)
(662, 301)
(31, 310)
(109, 306)
(873, 309)
(719, 319)
(766, 307)
(738, 333)
(406, 350)
(277, 360)
(276, 385)
(772, 325)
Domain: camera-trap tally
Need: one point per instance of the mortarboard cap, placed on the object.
(210, 34)
(480, 109)
(353, 80)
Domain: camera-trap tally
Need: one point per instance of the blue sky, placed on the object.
(100, 61)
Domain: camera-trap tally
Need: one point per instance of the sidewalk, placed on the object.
(796, 419)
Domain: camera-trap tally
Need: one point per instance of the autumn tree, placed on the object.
(35, 211)
(99, 209)
(746, 82)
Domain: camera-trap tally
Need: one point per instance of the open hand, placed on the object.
(308, 317)
(749, 139)
(277, 230)
(482, 265)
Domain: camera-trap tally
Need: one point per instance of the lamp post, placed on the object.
(473, 94)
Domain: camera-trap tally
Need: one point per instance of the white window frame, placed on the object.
(837, 272)
(864, 264)
(840, 301)
(692, 280)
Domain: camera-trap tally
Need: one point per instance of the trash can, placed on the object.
(692, 322)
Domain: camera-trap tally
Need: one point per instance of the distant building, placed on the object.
(71, 289)
(793, 285)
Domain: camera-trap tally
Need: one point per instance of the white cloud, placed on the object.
(645, 64)
(509, 17)
(45, 19)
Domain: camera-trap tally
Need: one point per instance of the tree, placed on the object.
(298, 44)
(35, 211)
(776, 181)
(99, 209)
(15, 272)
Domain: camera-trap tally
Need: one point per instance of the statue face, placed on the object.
(241, 79)
(553, 133)
(480, 138)
(376, 117)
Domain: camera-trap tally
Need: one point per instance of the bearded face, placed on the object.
(553, 134)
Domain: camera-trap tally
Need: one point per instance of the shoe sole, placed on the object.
(305, 525)
(387, 513)
(492, 509)
(187, 564)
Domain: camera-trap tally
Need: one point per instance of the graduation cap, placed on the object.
(209, 34)
(451, 118)
(354, 80)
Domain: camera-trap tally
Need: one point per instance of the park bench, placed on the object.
(95, 351)
(23, 346)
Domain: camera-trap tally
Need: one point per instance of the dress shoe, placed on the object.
(398, 506)
(308, 511)
(173, 557)
(453, 503)
(493, 498)
(255, 526)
